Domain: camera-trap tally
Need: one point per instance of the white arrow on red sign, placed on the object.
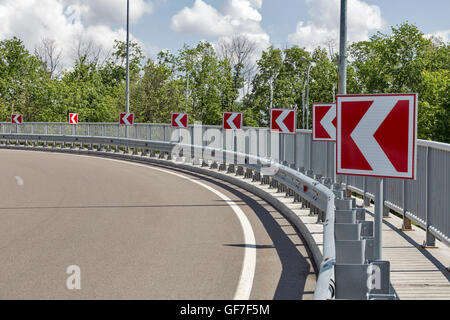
(232, 120)
(180, 120)
(16, 118)
(126, 118)
(73, 118)
(376, 135)
(324, 122)
(283, 120)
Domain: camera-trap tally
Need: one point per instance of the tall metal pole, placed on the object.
(343, 49)
(307, 96)
(127, 91)
(342, 83)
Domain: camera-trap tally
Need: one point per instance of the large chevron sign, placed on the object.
(179, 120)
(16, 118)
(73, 118)
(283, 120)
(376, 135)
(324, 122)
(232, 120)
(126, 118)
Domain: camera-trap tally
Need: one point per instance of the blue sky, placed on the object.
(280, 17)
(168, 24)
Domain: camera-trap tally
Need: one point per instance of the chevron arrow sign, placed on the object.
(232, 120)
(283, 120)
(126, 118)
(180, 120)
(377, 135)
(324, 122)
(73, 118)
(16, 119)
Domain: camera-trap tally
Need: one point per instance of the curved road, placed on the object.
(138, 232)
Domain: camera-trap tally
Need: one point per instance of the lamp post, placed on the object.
(306, 87)
(307, 94)
(127, 90)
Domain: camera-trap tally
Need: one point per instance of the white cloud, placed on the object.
(110, 12)
(323, 23)
(443, 35)
(236, 18)
(201, 18)
(66, 20)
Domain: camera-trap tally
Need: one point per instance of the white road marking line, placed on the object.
(245, 284)
(249, 264)
(19, 180)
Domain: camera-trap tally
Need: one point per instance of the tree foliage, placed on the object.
(204, 83)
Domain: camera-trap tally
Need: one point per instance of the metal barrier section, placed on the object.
(303, 188)
(425, 200)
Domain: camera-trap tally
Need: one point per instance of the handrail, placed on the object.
(321, 196)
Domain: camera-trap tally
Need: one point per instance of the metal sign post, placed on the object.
(378, 219)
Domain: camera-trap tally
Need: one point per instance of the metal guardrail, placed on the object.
(318, 196)
(425, 200)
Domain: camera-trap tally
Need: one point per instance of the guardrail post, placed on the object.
(430, 240)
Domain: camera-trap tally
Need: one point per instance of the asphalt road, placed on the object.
(137, 232)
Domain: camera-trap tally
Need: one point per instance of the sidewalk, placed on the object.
(416, 273)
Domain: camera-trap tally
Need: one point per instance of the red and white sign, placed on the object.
(180, 120)
(283, 120)
(324, 122)
(73, 118)
(232, 120)
(126, 118)
(376, 135)
(16, 119)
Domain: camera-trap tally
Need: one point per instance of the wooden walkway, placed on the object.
(416, 273)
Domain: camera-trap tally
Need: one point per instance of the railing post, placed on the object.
(430, 239)
(385, 208)
(295, 149)
(406, 221)
(365, 197)
(310, 153)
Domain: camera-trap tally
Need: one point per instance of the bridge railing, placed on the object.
(319, 197)
(425, 201)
